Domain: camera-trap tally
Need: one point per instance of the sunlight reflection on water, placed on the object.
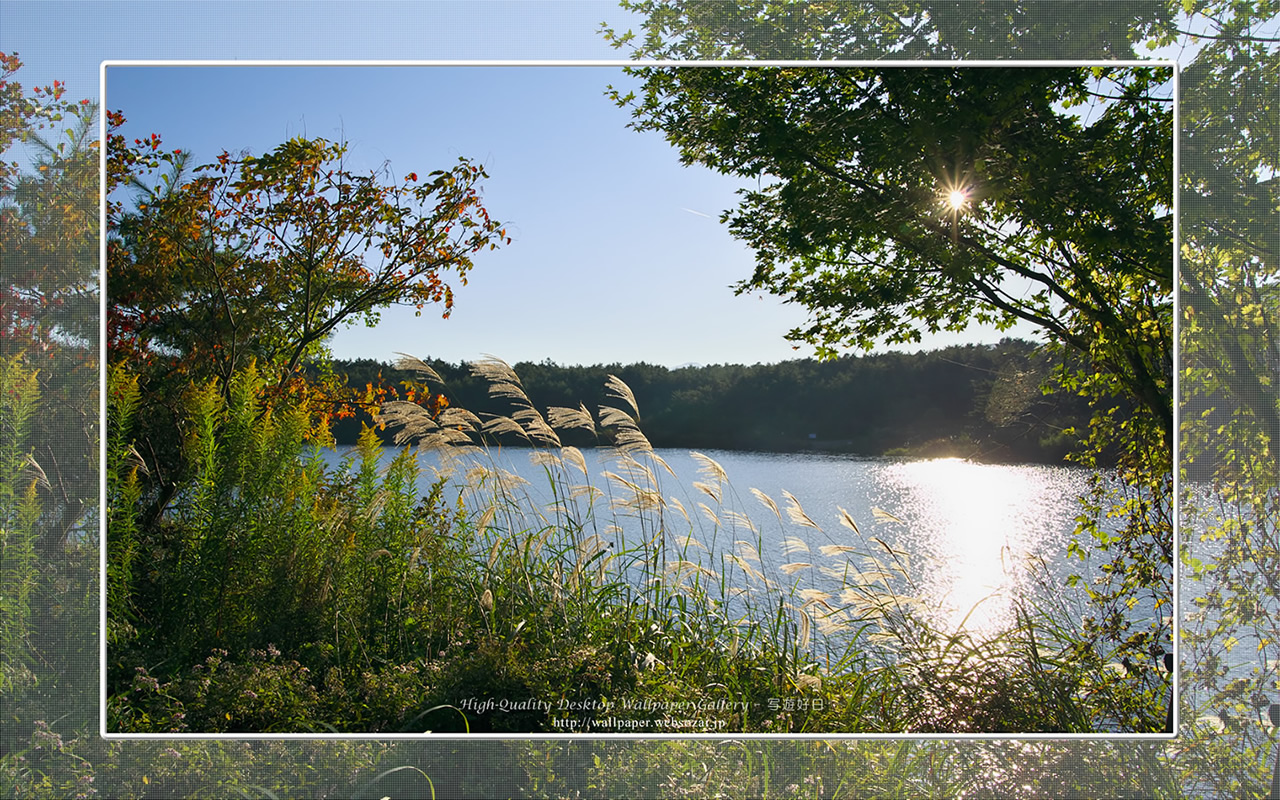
(983, 529)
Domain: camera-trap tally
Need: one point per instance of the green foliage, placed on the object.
(48, 299)
(937, 29)
(909, 201)
(1074, 211)
(20, 511)
(124, 494)
(337, 600)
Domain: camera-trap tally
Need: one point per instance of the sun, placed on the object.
(957, 199)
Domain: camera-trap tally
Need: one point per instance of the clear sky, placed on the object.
(617, 252)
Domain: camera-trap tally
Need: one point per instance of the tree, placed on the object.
(263, 258)
(902, 201)
(48, 295)
(1229, 357)
(939, 29)
(892, 202)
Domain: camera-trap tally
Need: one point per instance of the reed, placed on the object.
(631, 602)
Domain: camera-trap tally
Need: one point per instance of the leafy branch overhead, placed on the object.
(264, 257)
(894, 202)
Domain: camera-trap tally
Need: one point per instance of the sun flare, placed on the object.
(957, 199)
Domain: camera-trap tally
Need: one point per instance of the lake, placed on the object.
(973, 538)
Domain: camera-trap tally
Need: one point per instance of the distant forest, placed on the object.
(982, 402)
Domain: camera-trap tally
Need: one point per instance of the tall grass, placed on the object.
(287, 595)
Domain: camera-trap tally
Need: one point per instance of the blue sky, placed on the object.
(617, 256)
(616, 252)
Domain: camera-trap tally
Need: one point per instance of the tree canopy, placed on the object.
(263, 257)
(898, 201)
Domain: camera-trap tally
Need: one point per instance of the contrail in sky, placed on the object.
(699, 213)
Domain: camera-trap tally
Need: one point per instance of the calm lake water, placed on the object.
(974, 538)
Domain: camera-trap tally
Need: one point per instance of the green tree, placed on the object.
(48, 295)
(48, 409)
(938, 29)
(1230, 429)
(904, 201)
(893, 202)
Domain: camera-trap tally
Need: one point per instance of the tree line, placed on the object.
(977, 401)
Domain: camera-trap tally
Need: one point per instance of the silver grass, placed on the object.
(883, 516)
(449, 440)
(742, 564)
(644, 500)
(815, 597)
(374, 509)
(613, 476)
(641, 499)
(846, 519)
(830, 550)
(870, 577)
(709, 514)
(617, 388)
(574, 456)
(627, 435)
(509, 390)
(477, 475)
(768, 502)
(535, 426)
(568, 418)
(631, 440)
(590, 547)
(132, 460)
(635, 469)
(884, 637)
(459, 418)
(832, 623)
(674, 502)
(685, 542)
(611, 417)
(796, 514)
(812, 682)
(737, 519)
(415, 364)
(747, 550)
(32, 469)
(492, 369)
(678, 569)
(657, 459)
(413, 420)
(710, 491)
(805, 627)
(486, 518)
(709, 467)
(546, 458)
(792, 544)
(500, 425)
(835, 573)
(794, 567)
